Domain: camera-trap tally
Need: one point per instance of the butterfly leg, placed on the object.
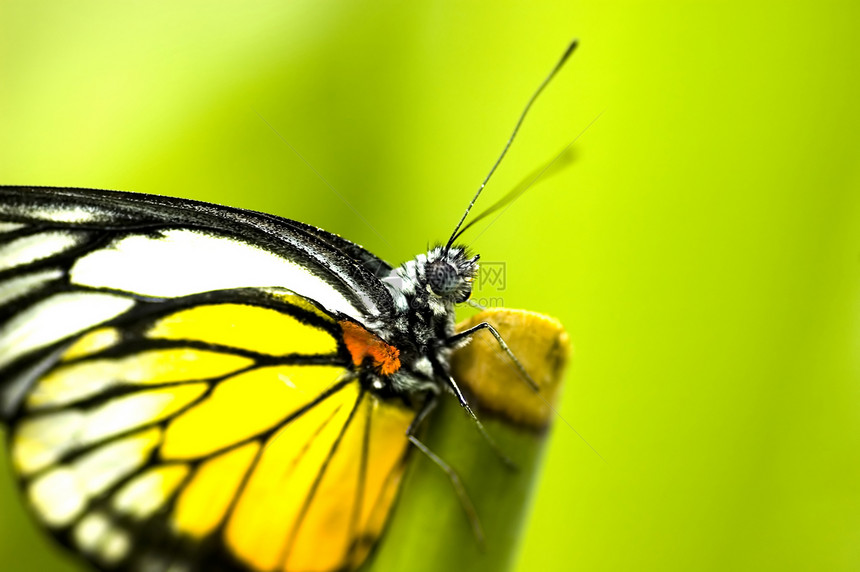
(452, 383)
(467, 334)
(465, 502)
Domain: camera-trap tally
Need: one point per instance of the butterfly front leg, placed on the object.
(465, 336)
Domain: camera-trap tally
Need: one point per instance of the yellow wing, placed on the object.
(217, 431)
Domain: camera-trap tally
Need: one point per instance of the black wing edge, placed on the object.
(353, 270)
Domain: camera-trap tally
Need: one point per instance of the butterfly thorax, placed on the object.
(425, 291)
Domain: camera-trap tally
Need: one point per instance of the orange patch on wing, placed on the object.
(362, 344)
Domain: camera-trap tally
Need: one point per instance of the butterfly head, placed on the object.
(436, 280)
(449, 273)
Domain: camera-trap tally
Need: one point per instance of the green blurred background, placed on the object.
(703, 250)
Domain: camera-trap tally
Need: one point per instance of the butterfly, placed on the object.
(189, 386)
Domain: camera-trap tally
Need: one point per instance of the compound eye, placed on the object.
(443, 278)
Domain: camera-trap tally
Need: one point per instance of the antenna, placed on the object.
(534, 96)
(558, 163)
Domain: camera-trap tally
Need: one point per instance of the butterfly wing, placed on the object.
(167, 415)
(72, 258)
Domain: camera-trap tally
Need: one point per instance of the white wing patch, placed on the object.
(90, 530)
(43, 440)
(38, 246)
(56, 497)
(74, 382)
(55, 213)
(146, 493)
(14, 288)
(97, 536)
(61, 494)
(10, 226)
(115, 546)
(123, 413)
(184, 262)
(56, 318)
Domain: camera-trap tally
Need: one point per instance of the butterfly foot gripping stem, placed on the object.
(467, 335)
